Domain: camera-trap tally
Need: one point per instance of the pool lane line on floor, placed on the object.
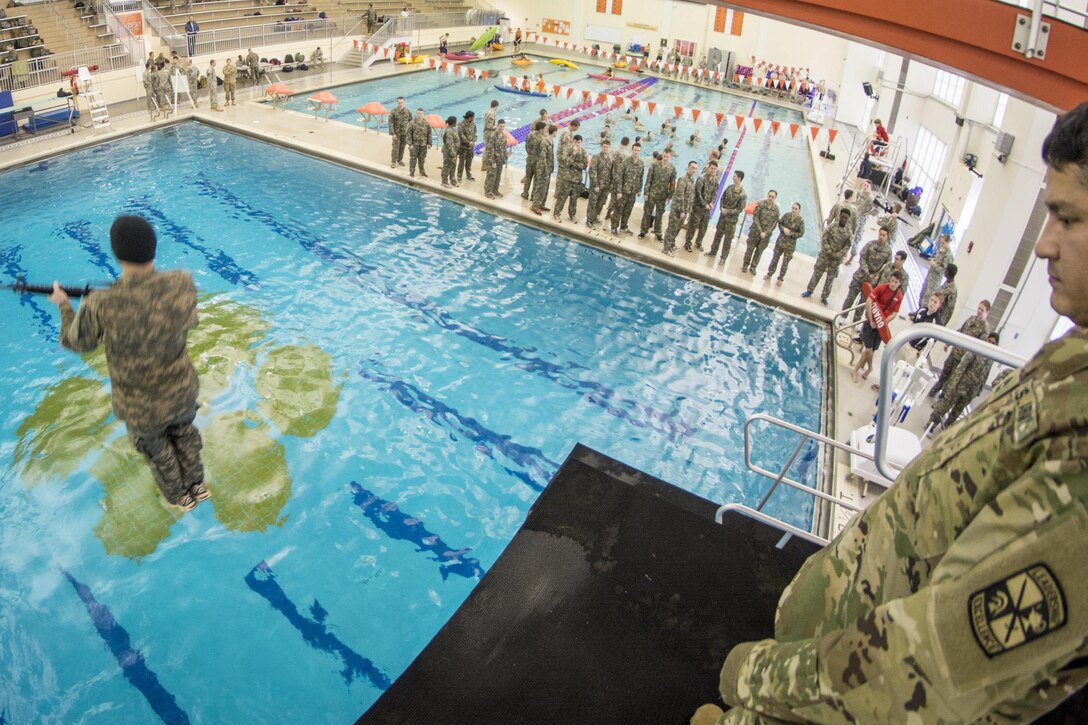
(729, 166)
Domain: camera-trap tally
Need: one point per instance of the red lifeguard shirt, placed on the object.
(888, 301)
(882, 133)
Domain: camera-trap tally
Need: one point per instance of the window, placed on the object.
(927, 163)
(728, 21)
(949, 87)
(999, 112)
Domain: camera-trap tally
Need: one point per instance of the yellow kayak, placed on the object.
(620, 64)
(522, 63)
(566, 63)
(413, 60)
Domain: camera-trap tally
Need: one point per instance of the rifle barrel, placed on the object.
(47, 289)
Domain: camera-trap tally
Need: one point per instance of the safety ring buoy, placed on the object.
(73, 84)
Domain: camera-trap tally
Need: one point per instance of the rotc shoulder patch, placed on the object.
(1017, 610)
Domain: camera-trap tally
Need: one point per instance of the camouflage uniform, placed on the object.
(532, 153)
(833, 245)
(451, 147)
(966, 383)
(194, 82)
(706, 188)
(419, 138)
(542, 172)
(863, 207)
(764, 220)
(568, 182)
(399, 120)
(732, 205)
(143, 320)
(619, 159)
(660, 181)
(466, 131)
(565, 140)
(495, 155)
(937, 265)
(891, 223)
(973, 326)
(833, 217)
(948, 293)
(786, 244)
(874, 257)
(886, 274)
(632, 172)
(162, 90)
(959, 595)
(230, 83)
(149, 91)
(601, 171)
(681, 208)
(213, 87)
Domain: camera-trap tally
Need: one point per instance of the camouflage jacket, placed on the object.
(565, 140)
(143, 321)
(764, 218)
(975, 326)
(706, 187)
(490, 121)
(948, 293)
(833, 217)
(684, 196)
(419, 132)
(794, 222)
(863, 204)
(660, 181)
(495, 147)
(733, 202)
(889, 222)
(886, 274)
(630, 177)
(545, 156)
(962, 592)
(872, 261)
(835, 241)
(466, 130)
(571, 166)
(451, 141)
(230, 74)
(969, 377)
(601, 170)
(399, 118)
(193, 76)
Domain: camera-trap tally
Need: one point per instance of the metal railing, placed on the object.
(166, 30)
(47, 70)
(887, 364)
(1058, 10)
(133, 45)
(61, 18)
(752, 513)
(251, 36)
(842, 329)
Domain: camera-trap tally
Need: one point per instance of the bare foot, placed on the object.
(865, 375)
(854, 376)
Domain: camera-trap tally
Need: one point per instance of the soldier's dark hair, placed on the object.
(400, 98)
(898, 274)
(773, 191)
(848, 194)
(950, 271)
(713, 163)
(470, 114)
(636, 145)
(575, 123)
(624, 141)
(606, 142)
(552, 128)
(451, 121)
(501, 122)
(994, 336)
(901, 256)
(1067, 142)
(577, 137)
(132, 239)
(494, 104)
(740, 174)
(693, 163)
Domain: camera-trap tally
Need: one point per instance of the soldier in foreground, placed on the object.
(399, 119)
(143, 320)
(961, 593)
(495, 154)
(731, 204)
(681, 207)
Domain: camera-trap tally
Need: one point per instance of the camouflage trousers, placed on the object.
(399, 144)
(824, 266)
(723, 234)
(527, 180)
(172, 452)
(213, 92)
(653, 212)
(417, 154)
(615, 209)
(228, 91)
(164, 100)
(449, 166)
(596, 203)
(541, 183)
(948, 407)
(676, 221)
(626, 209)
(492, 179)
(753, 250)
(697, 224)
(567, 191)
(950, 365)
(853, 296)
(785, 253)
(464, 162)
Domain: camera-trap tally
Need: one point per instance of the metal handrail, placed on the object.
(780, 477)
(887, 363)
(47, 70)
(166, 30)
(752, 513)
(842, 326)
(133, 45)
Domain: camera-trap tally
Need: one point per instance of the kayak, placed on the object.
(603, 77)
(461, 55)
(560, 61)
(522, 63)
(508, 89)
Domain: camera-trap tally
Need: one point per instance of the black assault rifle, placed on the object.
(21, 286)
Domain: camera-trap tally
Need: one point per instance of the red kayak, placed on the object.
(603, 77)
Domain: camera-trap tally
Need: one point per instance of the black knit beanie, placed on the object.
(132, 239)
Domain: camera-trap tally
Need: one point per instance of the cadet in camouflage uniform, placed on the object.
(706, 188)
(616, 189)
(681, 207)
(948, 293)
(764, 220)
(941, 259)
(230, 83)
(863, 205)
(833, 245)
(213, 86)
(975, 326)
(489, 123)
(419, 140)
(532, 156)
(466, 130)
(846, 203)
(600, 182)
(731, 205)
(629, 186)
(890, 222)
(898, 260)
(542, 170)
(791, 227)
(875, 256)
(495, 155)
(399, 120)
(965, 384)
(161, 81)
(193, 75)
(960, 594)
(143, 320)
(660, 182)
(451, 148)
(568, 182)
(567, 138)
(149, 90)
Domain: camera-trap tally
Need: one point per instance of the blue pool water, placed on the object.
(388, 381)
(769, 161)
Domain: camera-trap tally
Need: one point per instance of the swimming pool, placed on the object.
(388, 380)
(768, 160)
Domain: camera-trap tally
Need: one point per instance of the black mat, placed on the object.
(617, 601)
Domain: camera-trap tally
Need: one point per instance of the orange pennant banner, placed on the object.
(756, 123)
(813, 130)
(652, 105)
(556, 90)
(793, 130)
(634, 103)
(774, 127)
(740, 121)
(695, 114)
(719, 117)
(831, 134)
(678, 110)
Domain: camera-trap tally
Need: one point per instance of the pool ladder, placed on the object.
(879, 456)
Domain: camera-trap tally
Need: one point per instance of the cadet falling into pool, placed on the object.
(143, 320)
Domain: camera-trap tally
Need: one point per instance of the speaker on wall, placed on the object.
(664, 42)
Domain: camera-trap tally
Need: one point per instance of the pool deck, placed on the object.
(369, 151)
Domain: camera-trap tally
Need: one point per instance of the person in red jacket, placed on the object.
(887, 297)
